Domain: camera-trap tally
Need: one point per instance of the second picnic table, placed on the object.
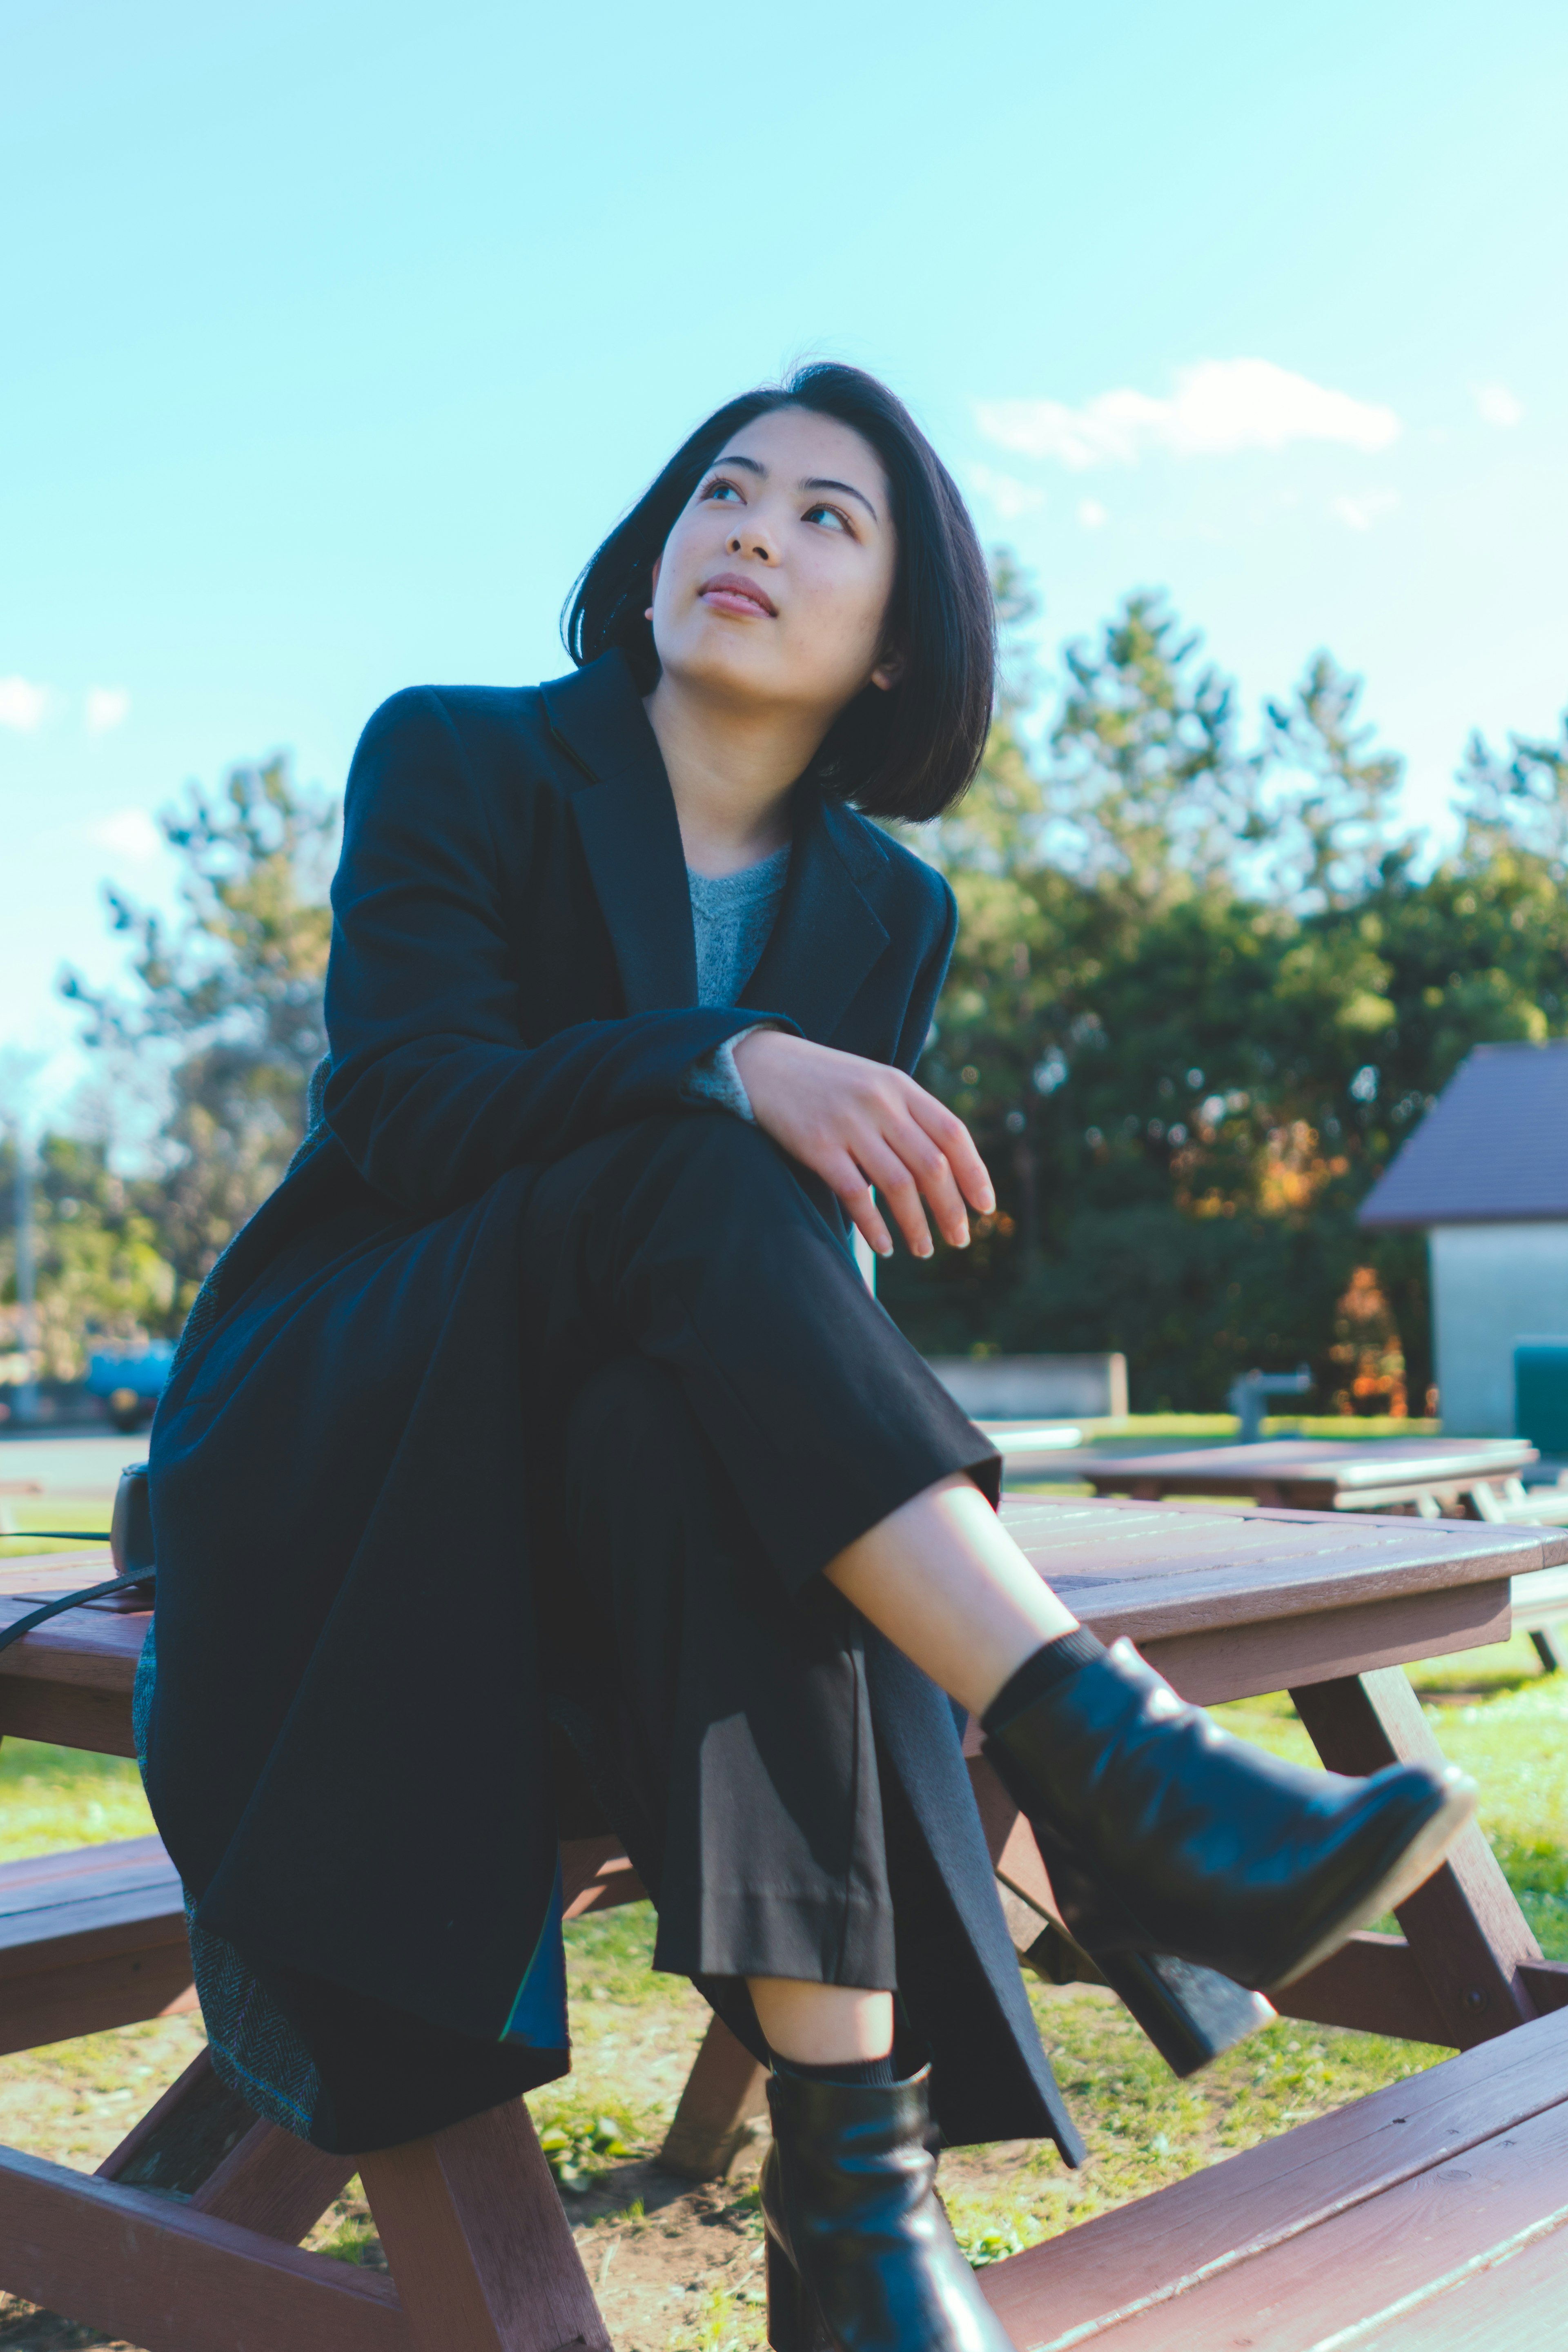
(1311, 1474)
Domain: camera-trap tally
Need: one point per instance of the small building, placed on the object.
(1487, 1174)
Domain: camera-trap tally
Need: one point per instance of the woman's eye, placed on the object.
(830, 517)
(721, 490)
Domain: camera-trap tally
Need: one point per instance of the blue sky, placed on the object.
(334, 335)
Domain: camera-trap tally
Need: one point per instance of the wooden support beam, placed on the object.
(146, 2269)
(1374, 1984)
(66, 1715)
(275, 2184)
(181, 2141)
(482, 2252)
(1466, 1931)
(596, 1876)
(725, 2092)
(58, 2002)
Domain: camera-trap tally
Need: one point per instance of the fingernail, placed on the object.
(961, 1241)
(884, 1249)
(924, 1249)
(987, 1203)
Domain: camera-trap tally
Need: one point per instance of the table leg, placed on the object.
(477, 2241)
(1465, 1930)
(725, 2092)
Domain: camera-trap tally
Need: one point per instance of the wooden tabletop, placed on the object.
(1313, 1473)
(1228, 1602)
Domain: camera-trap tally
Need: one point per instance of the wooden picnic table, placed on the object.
(1308, 1474)
(187, 2239)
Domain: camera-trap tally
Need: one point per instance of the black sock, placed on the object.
(1049, 1666)
(855, 2073)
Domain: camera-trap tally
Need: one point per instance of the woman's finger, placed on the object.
(899, 1190)
(932, 1172)
(849, 1182)
(954, 1141)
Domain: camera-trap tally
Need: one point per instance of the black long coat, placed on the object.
(344, 1745)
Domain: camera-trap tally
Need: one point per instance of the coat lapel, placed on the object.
(627, 823)
(828, 934)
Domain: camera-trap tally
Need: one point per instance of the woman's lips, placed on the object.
(727, 591)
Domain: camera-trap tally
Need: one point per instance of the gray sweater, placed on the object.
(733, 917)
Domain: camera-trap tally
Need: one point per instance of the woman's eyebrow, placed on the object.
(818, 482)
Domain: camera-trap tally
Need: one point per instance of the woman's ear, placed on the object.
(653, 583)
(889, 670)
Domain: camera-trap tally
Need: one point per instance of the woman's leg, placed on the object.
(941, 1577)
(731, 1736)
(694, 1242)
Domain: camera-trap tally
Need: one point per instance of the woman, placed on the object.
(545, 1392)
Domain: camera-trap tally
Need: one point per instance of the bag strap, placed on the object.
(72, 1600)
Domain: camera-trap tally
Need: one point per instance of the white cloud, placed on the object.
(107, 707)
(22, 704)
(129, 833)
(1498, 406)
(1359, 514)
(1219, 407)
(1010, 497)
(1093, 515)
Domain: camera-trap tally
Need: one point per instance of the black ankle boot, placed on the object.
(860, 2255)
(1165, 1835)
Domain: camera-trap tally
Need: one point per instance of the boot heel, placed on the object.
(1190, 2014)
(793, 2323)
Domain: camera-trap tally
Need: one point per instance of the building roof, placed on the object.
(1493, 1149)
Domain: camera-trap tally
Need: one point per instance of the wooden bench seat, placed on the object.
(1430, 2216)
(91, 1940)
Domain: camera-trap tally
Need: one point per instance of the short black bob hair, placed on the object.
(905, 752)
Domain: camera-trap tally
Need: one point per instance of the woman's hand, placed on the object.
(857, 1124)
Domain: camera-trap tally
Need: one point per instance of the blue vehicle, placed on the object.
(131, 1380)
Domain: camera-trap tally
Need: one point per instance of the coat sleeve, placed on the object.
(927, 981)
(434, 1091)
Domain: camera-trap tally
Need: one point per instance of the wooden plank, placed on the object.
(1239, 2209)
(184, 2136)
(596, 1876)
(65, 1714)
(93, 1649)
(153, 2272)
(1388, 2250)
(725, 2092)
(481, 2249)
(1230, 1661)
(1513, 2294)
(274, 2183)
(56, 2003)
(1374, 1985)
(71, 1898)
(1150, 1571)
(1344, 1465)
(1464, 1925)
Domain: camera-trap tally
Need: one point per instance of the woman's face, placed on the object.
(772, 588)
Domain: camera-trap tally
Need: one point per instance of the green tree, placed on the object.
(1190, 1026)
(232, 997)
(1520, 801)
(1145, 779)
(1331, 827)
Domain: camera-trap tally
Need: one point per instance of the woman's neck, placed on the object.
(732, 772)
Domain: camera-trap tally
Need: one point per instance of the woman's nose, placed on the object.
(755, 545)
